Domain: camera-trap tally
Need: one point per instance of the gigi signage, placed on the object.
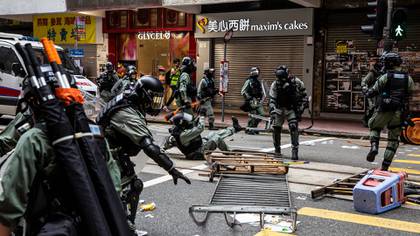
(258, 23)
(154, 35)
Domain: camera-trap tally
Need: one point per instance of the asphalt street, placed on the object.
(330, 158)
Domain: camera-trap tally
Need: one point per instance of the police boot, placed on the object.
(211, 126)
(374, 146)
(236, 125)
(295, 156)
(277, 140)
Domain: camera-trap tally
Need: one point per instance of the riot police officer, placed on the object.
(186, 90)
(106, 81)
(367, 82)
(287, 101)
(124, 122)
(253, 92)
(126, 82)
(206, 92)
(393, 89)
(186, 135)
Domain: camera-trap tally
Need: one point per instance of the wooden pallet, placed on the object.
(244, 163)
(341, 187)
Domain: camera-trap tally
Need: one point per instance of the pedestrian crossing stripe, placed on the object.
(361, 219)
(408, 171)
(408, 162)
(413, 155)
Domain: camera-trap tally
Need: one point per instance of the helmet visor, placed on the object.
(156, 103)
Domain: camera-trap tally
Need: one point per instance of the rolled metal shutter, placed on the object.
(264, 52)
(346, 26)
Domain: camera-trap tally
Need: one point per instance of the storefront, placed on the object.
(350, 53)
(79, 34)
(149, 38)
(265, 39)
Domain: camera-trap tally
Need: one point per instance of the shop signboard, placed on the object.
(64, 28)
(160, 35)
(257, 23)
(224, 76)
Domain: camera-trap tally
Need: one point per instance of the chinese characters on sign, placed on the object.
(242, 25)
(64, 28)
(256, 23)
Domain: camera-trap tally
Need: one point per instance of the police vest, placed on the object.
(209, 90)
(192, 147)
(286, 94)
(175, 78)
(395, 92)
(112, 107)
(255, 88)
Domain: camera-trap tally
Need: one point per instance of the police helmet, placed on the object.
(254, 72)
(109, 66)
(282, 72)
(132, 71)
(209, 72)
(188, 65)
(391, 60)
(181, 119)
(149, 91)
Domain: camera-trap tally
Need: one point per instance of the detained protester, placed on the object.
(393, 89)
(253, 92)
(288, 100)
(186, 135)
(106, 81)
(206, 92)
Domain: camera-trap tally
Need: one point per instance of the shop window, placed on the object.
(174, 18)
(146, 18)
(117, 19)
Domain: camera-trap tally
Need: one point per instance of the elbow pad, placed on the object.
(156, 153)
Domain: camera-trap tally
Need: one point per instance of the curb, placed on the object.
(309, 131)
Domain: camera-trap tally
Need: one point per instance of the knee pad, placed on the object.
(293, 126)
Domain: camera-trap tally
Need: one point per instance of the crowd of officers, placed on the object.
(27, 153)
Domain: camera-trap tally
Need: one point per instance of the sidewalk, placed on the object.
(326, 127)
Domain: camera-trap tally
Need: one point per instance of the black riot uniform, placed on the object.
(287, 101)
(253, 92)
(393, 89)
(206, 92)
(106, 81)
(125, 125)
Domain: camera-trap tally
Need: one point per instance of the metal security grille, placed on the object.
(264, 52)
(258, 194)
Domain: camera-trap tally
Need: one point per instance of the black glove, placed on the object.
(202, 101)
(178, 175)
(203, 111)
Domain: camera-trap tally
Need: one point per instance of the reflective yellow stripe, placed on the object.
(408, 171)
(361, 219)
(408, 161)
(414, 155)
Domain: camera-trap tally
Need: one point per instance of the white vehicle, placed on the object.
(13, 71)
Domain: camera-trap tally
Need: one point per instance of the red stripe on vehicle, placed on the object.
(4, 91)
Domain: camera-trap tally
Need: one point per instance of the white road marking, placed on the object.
(169, 177)
(165, 178)
(309, 142)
